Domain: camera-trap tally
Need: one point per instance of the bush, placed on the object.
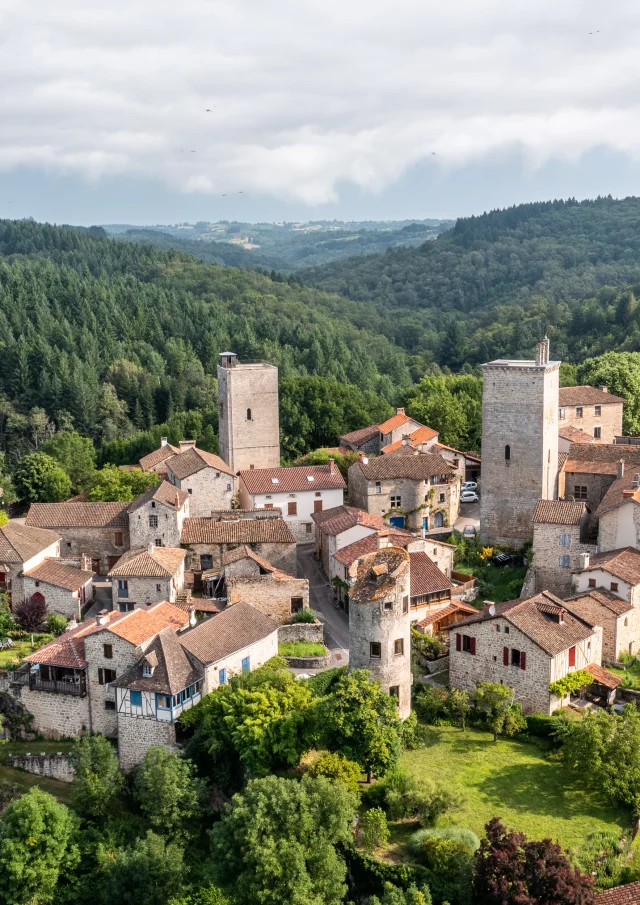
(571, 683)
(626, 658)
(449, 865)
(432, 705)
(402, 796)
(457, 834)
(338, 767)
(56, 624)
(413, 734)
(550, 728)
(30, 614)
(602, 853)
(305, 616)
(375, 832)
(425, 646)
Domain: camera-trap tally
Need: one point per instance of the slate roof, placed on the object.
(78, 515)
(19, 543)
(585, 395)
(157, 456)
(426, 577)
(599, 597)
(534, 616)
(289, 480)
(172, 669)
(160, 562)
(348, 555)
(558, 512)
(237, 627)
(340, 518)
(622, 490)
(60, 575)
(415, 466)
(165, 493)
(623, 564)
(240, 531)
(574, 434)
(620, 895)
(193, 460)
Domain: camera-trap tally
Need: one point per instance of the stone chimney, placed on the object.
(620, 469)
(382, 539)
(585, 560)
(542, 352)
(85, 562)
(163, 441)
(603, 389)
(177, 501)
(332, 466)
(486, 606)
(151, 549)
(187, 444)
(399, 411)
(406, 440)
(103, 617)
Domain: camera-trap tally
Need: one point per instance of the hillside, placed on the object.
(496, 282)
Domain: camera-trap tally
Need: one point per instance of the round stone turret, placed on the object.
(379, 623)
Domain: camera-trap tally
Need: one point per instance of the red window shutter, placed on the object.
(458, 641)
(572, 656)
(472, 646)
(523, 660)
(505, 656)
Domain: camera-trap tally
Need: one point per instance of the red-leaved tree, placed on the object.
(31, 613)
(510, 870)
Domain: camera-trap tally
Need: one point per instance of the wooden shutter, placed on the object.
(572, 656)
(292, 508)
(472, 646)
(523, 660)
(505, 656)
(317, 505)
(458, 641)
(100, 676)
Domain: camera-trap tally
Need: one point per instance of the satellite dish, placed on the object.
(492, 610)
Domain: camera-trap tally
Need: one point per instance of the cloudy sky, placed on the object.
(318, 108)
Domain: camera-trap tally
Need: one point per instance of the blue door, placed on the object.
(397, 521)
(425, 523)
(246, 664)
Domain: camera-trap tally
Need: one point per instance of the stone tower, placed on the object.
(379, 624)
(248, 411)
(519, 444)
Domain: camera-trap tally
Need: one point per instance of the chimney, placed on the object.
(163, 441)
(85, 563)
(382, 539)
(406, 440)
(151, 548)
(399, 411)
(365, 460)
(192, 616)
(542, 352)
(176, 502)
(332, 466)
(103, 617)
(585, 560)
(620, 469)
(187, 444)
(228, 359)
(603, 389)
(486, 606)
(628, 494)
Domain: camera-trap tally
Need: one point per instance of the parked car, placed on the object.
(469, 496)
(469, 531)
(469, 485)
(502, 559)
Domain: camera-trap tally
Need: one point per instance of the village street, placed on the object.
(336, 623)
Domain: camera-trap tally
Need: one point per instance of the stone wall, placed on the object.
(282, 556)
(59, 600)
(301, 631)
(55, 715)
(55, 766)
(549, 574)
(168, 528)
(309, 662)
(137, 734)
(596, 484)
(413, 495)
(619, 527)
(620, 634)
(269, 595)
(609, 420)
(96, 543)
(104, 719)
(209, 489)
(440, 553)
(249, 443)
(144, 591)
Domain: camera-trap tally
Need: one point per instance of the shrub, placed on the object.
(56, 624)
(402, 796)
(453, 833)
(602, 853)
(338, 767)
(571, 683)
(30, 613)
(626, 658)
(426, 647)
(375, 832)
(304, 616)
(413, 734)
(449, 866)
(432, 705)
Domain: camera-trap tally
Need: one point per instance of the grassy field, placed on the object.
(301, 649)
(497, 583)
(15, 654)
(631, 674)
(25, 781)
(514, 781)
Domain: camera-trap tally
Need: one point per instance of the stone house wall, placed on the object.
(550, 575)
(301, 631)
(300, 523)
(97, 543)
(258, 653)
(282, 556)
(137, 734)
(209, 489)
(269, 595)
(249, 442)
(619, 527)
(619, 633)
(125, 654)
(55, 715)
(596, 484)
(413, 495)
(330, 544)
(59, 600)
(168, 529)
(604, 579)
(14, 577)
(609, 420)
(439, 553)
(143, 591)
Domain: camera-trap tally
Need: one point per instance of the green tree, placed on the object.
(76, 455)
(149, 873)
(40, 479)
(361, 721)
(460, 705)
(393, 895)
(113, 484)
(375, 831)
(36, 835)
(336, 766)
(167, 790)
(496, 702)
(276, 843)
(98, 778)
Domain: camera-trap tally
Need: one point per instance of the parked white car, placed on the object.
(469, 496)
(469, 485)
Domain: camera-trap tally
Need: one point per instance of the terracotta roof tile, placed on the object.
(451, 608)
(239, 531)
(19, 543)
(60, 575)
(394, 422)
(603, 676)
(78, 515)
(574, 434)
(413, 466)
(586, 395)
(361, 435)
(140, 625)
(193, 460)
(157, 456)
(237, 627)
(624, 489)
(245, 552)
(589, 466)
(624, 564)
(340, 518)
(297, 478)
(620, 895)
(172, 669)
(348, 555)
(159, 562)
(587, 603)
(558, 512)
(426, 577)
(601, 458)
(165, 493)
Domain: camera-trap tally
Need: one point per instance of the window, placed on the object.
(108, 651)
(158, 588)
(292, 508)
(497, 628)
(626, 621)
(118, 541)
(163, 701)
(597, 433)
(378, 487)
(318, 493)
(396, 502)
(388, 604)
(565, 540)
(109, 705)
(136, 698)
(158, 541)
(564, 562)
(438, 520)
(592, 582)
(126, 607)
(246, 664)
(123, 587)
(308, 527)
(249, 415)
(580, 492)
(268, 505)
(222, 677)
(572, 656)
(394, 692)
(37, 584)
(506, 629)
(375, 650)
(297, 603)
(317, 505)
(398, 647)
(222, 409)
(228, 486)
(206, 561)
(405, 605)
(597, 411)
(614, 585)
(515, 657)
(507, 453)
(153, 504)
(153, 521)
(466, 644)
(105, 676)
(562, 413)
(578, 411)
(189, 490)
(147, 671)
(441, 499)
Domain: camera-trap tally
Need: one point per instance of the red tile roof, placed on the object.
(586, 395)
(574, 434)
(361, 435)
(394, 422)
(348, 555)
(623, 490)
(193, 460)
(603, 676)
(238, 531)
(165, 493)
(620, 895)
(78, 515)
(144, 624)
(624, 564)
(237, 627)
(60, 575)
(18, 543)
(426, 577)
(451, 608)
(590, 601)
(414, 466)
(340, 518)
(295, 479)
(159, 562)
(558, 512)
(157, 456)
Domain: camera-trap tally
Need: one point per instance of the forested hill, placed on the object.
(497, 281)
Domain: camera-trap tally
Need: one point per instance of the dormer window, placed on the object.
(147, 671)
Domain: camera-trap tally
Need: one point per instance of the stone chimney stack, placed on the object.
(192, 616)
(187, 444)
(542, 352)
(399, 411)
(332, 466)
(85, 563)
(151, 549)
(163, 441)
(383, 539)
(603, 389)
(621, 468)
(103, 617)
(585, 560)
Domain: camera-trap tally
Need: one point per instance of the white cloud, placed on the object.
(305, 96)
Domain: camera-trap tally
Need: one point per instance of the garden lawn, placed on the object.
(301, 649)
(513, 781)
(25, 781)
(631, 673)
(17, 653)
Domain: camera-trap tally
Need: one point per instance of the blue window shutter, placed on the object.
(246, 664)
(136, 698)
(223, 676)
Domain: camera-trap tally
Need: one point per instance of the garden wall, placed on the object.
(301, 631)
(56, 766)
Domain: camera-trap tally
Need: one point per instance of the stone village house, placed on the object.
(619, 512)
(590, 470)
(65, 587)
(594, 411)
(373, 439)
(248, 578)
(22, 549)
(141, 577)
(559, 540)
(205, 477)
(156, 460)
(338, 527)
(157, 516)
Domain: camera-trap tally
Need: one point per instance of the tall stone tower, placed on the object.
(519, 444)
(379, 624)
(248, 414)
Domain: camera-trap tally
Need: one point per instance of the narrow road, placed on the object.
(469, 515)
(336, 623)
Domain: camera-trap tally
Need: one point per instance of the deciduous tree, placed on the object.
(167, 790)
(40, 479)
(98, 778)
(496, 702)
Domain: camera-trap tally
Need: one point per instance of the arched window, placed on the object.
(438, 520)
(248, 414)
(507, 453)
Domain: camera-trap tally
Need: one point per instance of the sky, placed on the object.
(157, 111)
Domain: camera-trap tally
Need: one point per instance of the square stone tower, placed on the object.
(519, 444)
(249, 427)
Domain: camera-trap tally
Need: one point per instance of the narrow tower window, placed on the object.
(507, 453)
(248, 414)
